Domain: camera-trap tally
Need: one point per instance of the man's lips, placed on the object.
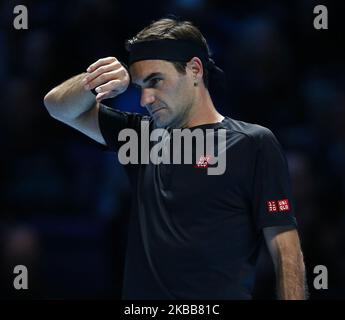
(154, 111)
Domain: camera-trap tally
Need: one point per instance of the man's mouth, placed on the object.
(154, 111)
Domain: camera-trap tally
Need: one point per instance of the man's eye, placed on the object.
(154, 82)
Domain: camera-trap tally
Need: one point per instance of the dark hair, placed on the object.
(172, 28)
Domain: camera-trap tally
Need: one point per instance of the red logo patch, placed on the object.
(203, 162)
(272, 206)
(278, 205)
(283, 205)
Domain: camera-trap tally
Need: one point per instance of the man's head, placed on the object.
(170, 88)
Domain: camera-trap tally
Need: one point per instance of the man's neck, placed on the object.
(203, 111)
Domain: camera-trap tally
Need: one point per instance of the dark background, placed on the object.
(64, 200)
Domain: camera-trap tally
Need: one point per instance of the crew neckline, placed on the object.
(209, 125)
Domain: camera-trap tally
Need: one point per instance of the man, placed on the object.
(192, 235)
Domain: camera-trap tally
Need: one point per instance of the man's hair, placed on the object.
(169, 28)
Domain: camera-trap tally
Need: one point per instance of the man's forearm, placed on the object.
(291, 279)
(69, 99)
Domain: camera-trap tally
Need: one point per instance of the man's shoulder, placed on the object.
(253, 131)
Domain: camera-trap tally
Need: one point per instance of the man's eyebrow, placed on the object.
(149, 77)
(152, 75)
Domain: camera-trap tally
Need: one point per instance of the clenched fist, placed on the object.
(108, 77)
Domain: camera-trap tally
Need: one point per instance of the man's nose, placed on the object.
(147, 97)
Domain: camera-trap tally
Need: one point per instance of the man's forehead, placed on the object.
(141, 69)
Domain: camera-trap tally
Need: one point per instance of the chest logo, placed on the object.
(203, 162)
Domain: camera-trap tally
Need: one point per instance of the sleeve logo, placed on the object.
(278, 205)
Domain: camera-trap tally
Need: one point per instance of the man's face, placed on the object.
(167, 94)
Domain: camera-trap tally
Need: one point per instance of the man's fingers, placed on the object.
(100, 96)
(109, 86)
(105, 95)
(103, 78)
(100, 63)
(115, 66)
(108, 76)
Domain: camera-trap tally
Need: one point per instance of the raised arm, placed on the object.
(72, 102)
(284, 246)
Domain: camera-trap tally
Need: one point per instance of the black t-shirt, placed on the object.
(194, 235)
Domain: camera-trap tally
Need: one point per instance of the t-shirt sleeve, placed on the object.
(112, 121)
(272, 196)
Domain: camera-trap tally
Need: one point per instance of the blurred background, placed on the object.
(64, 200)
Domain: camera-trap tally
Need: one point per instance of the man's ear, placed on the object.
(196, 67)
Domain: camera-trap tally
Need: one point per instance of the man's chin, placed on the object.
(158, 122)
(161, 122)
